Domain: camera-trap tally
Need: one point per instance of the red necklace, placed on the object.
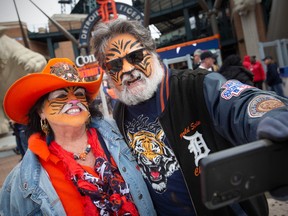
(104, 194)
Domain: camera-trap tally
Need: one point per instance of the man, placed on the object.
(196, 58)
(272, 77)
(258, 71)
(172, 119)
(207, 60)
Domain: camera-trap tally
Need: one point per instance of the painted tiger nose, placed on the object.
(74, 102)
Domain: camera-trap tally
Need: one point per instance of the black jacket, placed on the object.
(239, 73)
(272, 77)
(197, 101)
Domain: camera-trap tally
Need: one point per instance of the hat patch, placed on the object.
(261, 104)
(65, 71)
(233, 88)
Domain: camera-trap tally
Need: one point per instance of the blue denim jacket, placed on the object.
(27, 190)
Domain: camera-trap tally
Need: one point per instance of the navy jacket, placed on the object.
(222, 113)
(272, 77)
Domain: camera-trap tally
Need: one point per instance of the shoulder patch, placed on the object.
(261, 104)
(233, 88)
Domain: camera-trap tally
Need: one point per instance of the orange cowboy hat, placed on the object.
(26, 91)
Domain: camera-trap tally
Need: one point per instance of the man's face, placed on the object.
(125, 54)
(66, 107)
(209, 62)
(131, 69)
(252, 60)
(267, 61)
(196, 59)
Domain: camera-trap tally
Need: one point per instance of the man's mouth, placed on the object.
(129, 82)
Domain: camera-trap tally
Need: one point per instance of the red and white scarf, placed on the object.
(106, 194)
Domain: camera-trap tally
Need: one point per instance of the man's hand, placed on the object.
(274, 128)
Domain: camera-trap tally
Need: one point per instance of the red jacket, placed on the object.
(258, 71)
(246, 62)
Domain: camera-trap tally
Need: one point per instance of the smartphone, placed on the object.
(241, 172)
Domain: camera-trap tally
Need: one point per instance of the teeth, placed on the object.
(81, 106)
(72, 111)
(66, 107)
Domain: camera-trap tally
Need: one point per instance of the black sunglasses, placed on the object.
(134, 57)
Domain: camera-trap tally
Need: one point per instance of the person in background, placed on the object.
(259, 74)
(207, 60)
(109, 92)
(74, 164)
(273, 78)
(173, 118)
(17, 149)
(196, 58)
(232, 68)
(215, 66)
(19, 131)
(246, 62)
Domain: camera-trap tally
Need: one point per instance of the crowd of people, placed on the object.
(249, 71)
(146, 160)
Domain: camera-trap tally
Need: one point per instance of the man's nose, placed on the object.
(127, 66)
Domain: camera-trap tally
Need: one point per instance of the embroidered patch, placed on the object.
(197, 146)
(261, 104)
(233, 88)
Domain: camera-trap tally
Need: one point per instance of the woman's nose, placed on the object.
(74, 102)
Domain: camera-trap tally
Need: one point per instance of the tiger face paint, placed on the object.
(127, 61)
(66, 107)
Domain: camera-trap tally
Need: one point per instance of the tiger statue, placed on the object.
(242, 7)
(15, 62)
(155, 159)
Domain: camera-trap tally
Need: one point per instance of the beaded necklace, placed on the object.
(82, 156)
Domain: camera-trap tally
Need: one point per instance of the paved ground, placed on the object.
(6, 165)
(8, 160)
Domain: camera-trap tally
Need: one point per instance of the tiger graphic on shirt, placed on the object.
(156, 161)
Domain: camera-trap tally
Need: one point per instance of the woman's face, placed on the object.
(66, 107)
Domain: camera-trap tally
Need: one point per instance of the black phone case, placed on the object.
(244, 171)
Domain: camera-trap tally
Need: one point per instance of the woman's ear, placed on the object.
(41, 114)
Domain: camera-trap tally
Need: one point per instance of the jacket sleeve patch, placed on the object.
(233, 88)
(261, 104)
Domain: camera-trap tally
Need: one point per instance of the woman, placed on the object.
(74, 164)
(232, 68)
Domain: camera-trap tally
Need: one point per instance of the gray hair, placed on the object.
(104, 32)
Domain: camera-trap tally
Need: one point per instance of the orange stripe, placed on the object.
(217, 36)
(167, 87)
(162, 103)
(161, 96)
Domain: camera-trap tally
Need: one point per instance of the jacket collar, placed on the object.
(107, 128)
(163, 90)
